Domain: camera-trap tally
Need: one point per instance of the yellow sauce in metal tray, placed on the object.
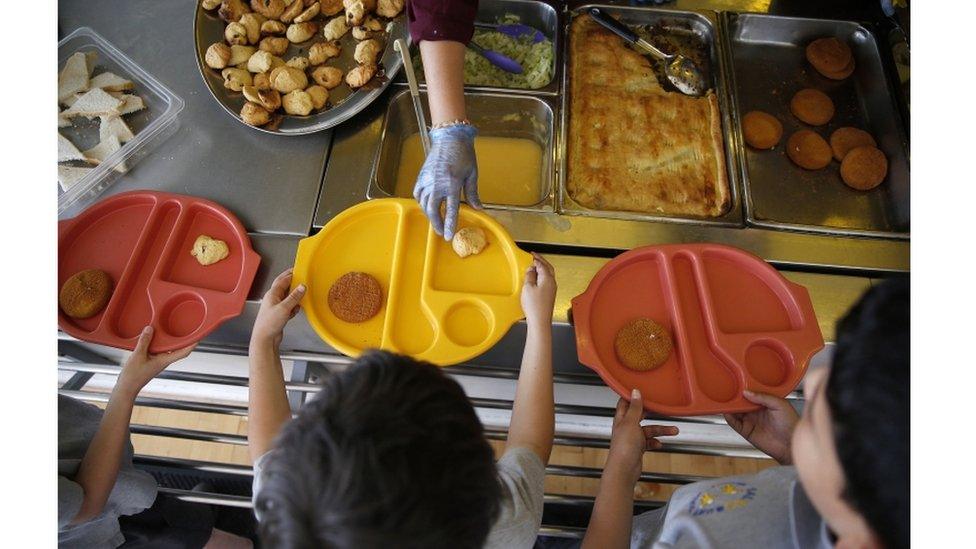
(509, 169)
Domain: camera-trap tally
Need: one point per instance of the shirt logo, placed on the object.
(722, 497)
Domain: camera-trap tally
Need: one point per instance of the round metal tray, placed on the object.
(208, 28)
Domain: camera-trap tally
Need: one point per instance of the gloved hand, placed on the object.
(450, 167)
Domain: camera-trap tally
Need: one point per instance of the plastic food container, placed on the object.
(151, 125)
(436, 306)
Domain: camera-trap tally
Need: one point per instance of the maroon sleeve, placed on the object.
(441, 19)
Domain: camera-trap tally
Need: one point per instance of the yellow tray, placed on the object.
(437, 306)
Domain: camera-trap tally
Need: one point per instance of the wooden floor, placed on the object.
(562, 455)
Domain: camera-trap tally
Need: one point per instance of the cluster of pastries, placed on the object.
(257, 37)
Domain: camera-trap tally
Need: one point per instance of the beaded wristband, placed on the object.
(458, 122)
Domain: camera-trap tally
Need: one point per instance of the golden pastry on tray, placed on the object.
(634, 146)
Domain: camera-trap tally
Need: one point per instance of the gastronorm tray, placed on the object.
(151, 126)
(495, 115)
(142, 239)
(345, 102)
(735, 323)
(436, 306)
(546, 16)
(768, 61)
(686, 28)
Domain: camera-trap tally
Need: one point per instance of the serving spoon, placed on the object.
(679, 70)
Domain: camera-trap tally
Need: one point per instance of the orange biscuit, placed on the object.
(642, 345)
(864, 168)
(828, 55)
(355, 297)
(841, 74)
(812, 106)
(808, 150)
(86, 293)
(761, 130)
(847, 138)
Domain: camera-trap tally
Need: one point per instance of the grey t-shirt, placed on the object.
(133, 492)
(522, 476)
(768, 509)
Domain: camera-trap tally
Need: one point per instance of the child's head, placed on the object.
(389, 454)
(851, 447)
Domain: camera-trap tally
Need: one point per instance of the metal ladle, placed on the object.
(680, 70)
(401, 46)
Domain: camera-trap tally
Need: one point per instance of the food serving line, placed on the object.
(284, 189)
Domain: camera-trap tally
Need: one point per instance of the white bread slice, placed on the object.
(67, 150)
(73, 77)
(103, 150)
(95, 102)
(91, 57)
(69, 175)
(114, 125)
(109, 81)
(62, 121)
(70, 100)
(130, 102)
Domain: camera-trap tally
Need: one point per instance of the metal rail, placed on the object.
(85, 364)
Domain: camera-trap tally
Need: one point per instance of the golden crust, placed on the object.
(634, 146)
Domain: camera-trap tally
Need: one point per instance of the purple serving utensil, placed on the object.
(501, 61)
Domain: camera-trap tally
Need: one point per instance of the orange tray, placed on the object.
(736, 324)
(142, 239)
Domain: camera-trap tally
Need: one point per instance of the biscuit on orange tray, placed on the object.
(642, 345)
(864, 168)
(812, 106)
(355, 297)
(847, 138)
(829, 55)
(86, 293)
(761, 129)
(808, 150)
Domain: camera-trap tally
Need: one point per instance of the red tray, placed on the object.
(736, 324)
(142, 239)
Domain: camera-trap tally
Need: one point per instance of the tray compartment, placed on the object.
(495, 115)
(767, 362)
(468, 323)
(132, 308)
(410, 328)
(700, 27)
(644, 281)
(182, 268)
(724, 273)
(183, 314)
(84, 247)
(325, 270)
(713, 375)
(450, 273)
(768, 64)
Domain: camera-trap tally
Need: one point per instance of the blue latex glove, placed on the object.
(450, 167)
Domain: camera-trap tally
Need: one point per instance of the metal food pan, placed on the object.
(544, 16)
(344, 102)
(495, 115)
(697, 27)
(768, 62)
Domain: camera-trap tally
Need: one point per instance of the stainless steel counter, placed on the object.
(270, 182)
(276, 186)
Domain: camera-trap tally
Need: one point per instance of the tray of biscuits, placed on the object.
(178, 263)
(823, 141)
(378, 276)
(693, 325)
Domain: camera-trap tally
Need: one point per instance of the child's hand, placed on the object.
(769, 428)
(277, 308)
(539, 292)
(629, 439)
(141, 367)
